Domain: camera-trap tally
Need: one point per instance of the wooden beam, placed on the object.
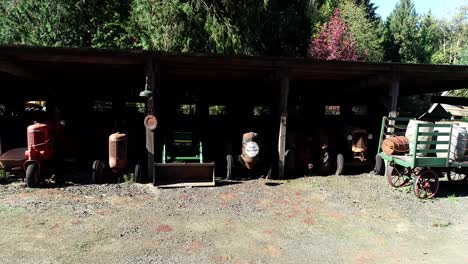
(450, 100)
(152, 74)
(283, 110)
(394, 93)
(14, 69)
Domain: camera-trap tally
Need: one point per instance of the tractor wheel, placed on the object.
(454, 175)
(229, 165)
(98, 168)
(326, 164)
(339, 164)
(379, 168)
(32, 175)
(138, 176)
(395, 177)
(426, 185)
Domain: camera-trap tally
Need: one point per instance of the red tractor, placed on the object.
(39, 153)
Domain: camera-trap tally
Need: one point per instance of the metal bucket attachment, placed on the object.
(184, 174)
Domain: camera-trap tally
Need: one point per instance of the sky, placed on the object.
(440, 8)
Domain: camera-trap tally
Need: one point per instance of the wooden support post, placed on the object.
(394, 94)
(283, 110)
(152, 76)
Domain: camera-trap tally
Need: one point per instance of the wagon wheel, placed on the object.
(455, 175)
(426, 185)
(32, 175)
(395, 177)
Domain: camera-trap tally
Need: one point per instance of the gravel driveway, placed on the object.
(335, 219)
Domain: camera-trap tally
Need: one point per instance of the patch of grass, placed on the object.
(9, 210)
(407, 188)
(3, 175)
(452, 198)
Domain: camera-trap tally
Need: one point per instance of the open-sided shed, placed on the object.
(69, 78)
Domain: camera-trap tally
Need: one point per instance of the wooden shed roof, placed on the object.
(69, 64)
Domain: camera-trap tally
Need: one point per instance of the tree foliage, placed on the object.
(453, 39)
(228, 27)
(401, 34)
(368, 37)
(429, 36)
(334, 41)
(268, 27)
(63, 23)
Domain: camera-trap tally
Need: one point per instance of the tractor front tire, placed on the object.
(32, 175)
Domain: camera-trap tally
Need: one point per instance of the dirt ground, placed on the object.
(335, 219)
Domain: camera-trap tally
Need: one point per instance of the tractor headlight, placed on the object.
(370, 136)
(349, 137)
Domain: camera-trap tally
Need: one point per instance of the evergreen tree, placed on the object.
(429, 36)
(369, 42)
(62, 23)
(401, 34)
(370, 9)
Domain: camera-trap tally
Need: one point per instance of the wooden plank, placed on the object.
(16, 70)
(434, 125)
(450, 100)
(432, 142)
(427, 151)
(433, 134)
(430, 162)
(151, 79)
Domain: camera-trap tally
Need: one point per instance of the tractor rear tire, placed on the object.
(339, 164)
(379, 168)
(32, 175)
(138, 173)
(229, 165)
(96, 175)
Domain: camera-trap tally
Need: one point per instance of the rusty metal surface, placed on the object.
(13, 158)
(150, 122)
(118, 151)
(184, 174)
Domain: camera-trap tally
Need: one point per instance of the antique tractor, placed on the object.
(39, 153)
(252, 162)
(360, 142)
(182, 162)
(117, 160)
(316, 157)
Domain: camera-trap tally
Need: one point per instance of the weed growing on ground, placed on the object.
(441, 224)
(452, 198)
(129, 178)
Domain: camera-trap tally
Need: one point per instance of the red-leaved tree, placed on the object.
(334, 42)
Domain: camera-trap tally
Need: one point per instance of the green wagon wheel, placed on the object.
(395, 177)
(426, 185)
